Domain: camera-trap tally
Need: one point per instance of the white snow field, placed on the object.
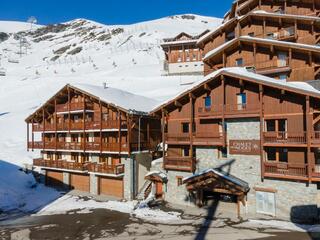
(80, 51)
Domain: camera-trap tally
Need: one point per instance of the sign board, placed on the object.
(244, 147)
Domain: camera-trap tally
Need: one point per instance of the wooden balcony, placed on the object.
(37, 127)
(115, 147)
(286, 34)
(315, 138)
(208, 138)
(76, 126)
(74, 106)
(181, 138)
(285, 138)
(106, 169)
(92, 146)
(270, 66)
(286, 170)
(229, 110)
(60, 164)
(178, 163)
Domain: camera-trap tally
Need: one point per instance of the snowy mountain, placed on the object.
(38, 62)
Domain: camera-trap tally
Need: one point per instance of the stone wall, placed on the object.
(292, 199)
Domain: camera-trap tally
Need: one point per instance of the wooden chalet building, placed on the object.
(182, 55)
(254, 118)
(259, 129)
(88, 135)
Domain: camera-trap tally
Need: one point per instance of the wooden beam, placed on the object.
(177, 104)
(163, 122)
(316, 120)
(207, 87)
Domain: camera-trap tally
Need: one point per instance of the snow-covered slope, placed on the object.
(37, 63)
(82, 51)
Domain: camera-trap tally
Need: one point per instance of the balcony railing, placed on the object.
(179, 163)
(74, 106)
(107, 169)
(282, 35)
(208, 137)
(316, 137)
(92, 146)
(285, 169)
(61, 164)
(229, 109)
(177, 137)
(285, 137)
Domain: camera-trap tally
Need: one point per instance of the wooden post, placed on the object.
(224, 60)
(308, 128)
(129, 133)
(191, 130)
(290, 57)
(163, 136)
(119, 132)
(32, 130)
(148, 134)
(255, 55)
(100, 118)
(28, 136)
(44, 129)
(69, 118)
(84, 123)
(55, 123)
(264, 28)
(261, 132)
(223, 111)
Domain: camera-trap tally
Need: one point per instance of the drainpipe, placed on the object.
(139, 140)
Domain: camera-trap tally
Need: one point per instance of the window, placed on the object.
(283, 77)
(179, 181)
(185, 152)
(239, 62)
(277, 154)
(266, 203)
(276, 125)
(207, 102)
(282, 59)
(185, 127)
(241, 101)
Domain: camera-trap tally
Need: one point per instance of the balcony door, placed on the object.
(241, 101)
(282, 59)
(277, 127)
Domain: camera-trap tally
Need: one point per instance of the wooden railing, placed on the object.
(76, 125)
(282, 35)
(61, 164)
(37, 127)
(179, 163)
(228, 109)
(285, 137)
(104, 168)
(208, 137)
(74, 106)
(316, 137)
(177, 137)
(92, 146)
(286, 169)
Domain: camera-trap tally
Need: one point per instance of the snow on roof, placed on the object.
(244, 73)
(262, 40)
(179, 42)
(257, 12)
(222, 174)
(162, 175)
(119, 98)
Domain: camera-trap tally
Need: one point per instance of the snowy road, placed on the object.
(107, 224)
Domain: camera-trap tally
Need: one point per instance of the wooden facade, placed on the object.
(289, 120)
(297, 23)
(79, 124)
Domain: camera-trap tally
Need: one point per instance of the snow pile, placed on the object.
(13, 26)
(20, 192)
(73, 203)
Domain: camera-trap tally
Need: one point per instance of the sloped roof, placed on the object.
(218, 172)
(242, 73)
(261, 13)
(119, 98)
(226, 45)
(127, 102)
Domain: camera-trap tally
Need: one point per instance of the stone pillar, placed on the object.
(128, 176)
(94, 189)
(66, 179)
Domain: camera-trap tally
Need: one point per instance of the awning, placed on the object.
(156, 176)
(216, 180)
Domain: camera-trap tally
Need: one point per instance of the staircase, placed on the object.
(144, 191)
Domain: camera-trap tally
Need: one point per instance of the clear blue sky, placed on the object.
(107, 11)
